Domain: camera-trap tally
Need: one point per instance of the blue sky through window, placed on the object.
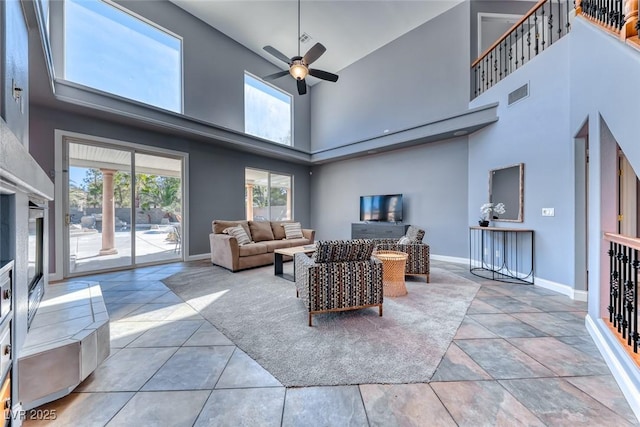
(267, 111)
(110, 50)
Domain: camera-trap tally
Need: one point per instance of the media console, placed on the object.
(378, 230)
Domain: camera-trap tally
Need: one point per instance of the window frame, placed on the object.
(276, 88)
(140, 18)
(269, 206)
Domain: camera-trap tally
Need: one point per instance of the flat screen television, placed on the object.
(385, 208)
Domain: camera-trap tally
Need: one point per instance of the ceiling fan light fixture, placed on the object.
(298, 70)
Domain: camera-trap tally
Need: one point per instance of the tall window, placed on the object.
(109, 49)
(267, 111)
(268, 195)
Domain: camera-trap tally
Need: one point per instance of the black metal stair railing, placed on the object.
(544, 24)
(624, 263)
(609, 13)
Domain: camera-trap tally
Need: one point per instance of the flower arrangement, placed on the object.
(489, 209)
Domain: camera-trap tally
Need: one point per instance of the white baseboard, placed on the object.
(580, 295)
(622, 367)
(567, 290)
(198, 257)
(446, 258)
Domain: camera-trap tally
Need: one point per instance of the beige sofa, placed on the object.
(266, 236)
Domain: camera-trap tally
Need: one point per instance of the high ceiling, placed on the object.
(348, 29)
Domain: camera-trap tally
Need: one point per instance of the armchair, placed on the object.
(341, 275)
(418, 252)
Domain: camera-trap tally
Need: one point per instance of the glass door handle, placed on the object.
(67, 219)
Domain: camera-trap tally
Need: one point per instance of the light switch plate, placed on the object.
(548, 212)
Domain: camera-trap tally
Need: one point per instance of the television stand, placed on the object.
(378, 230)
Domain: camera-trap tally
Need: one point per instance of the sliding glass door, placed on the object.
(123, 207)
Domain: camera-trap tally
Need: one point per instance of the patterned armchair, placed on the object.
(341, 275)
(411, 244)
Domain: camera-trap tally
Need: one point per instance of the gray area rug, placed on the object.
(260, 313)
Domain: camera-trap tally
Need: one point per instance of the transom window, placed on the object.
(110, 49)
(268, 195)
(267, 111)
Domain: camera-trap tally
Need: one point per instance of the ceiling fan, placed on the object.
(299, 65)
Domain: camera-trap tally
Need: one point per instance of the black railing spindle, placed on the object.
(624, 263)
(514, 48)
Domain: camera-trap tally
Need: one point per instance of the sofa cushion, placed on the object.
(239, 233)
(252, 249)
(293, 230)
(260, 231)
(415, 234)
(278, 229)
(219, 225)
(343, 250)
(287, 243)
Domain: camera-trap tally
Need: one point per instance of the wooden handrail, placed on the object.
(631, 242)
(506, 34)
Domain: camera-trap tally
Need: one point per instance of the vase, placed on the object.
(483, 223)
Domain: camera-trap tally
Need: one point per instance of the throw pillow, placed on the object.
(278, 230)
(239, 233)
(415, 234)
(293, 230)
(404, 240)
(260, 231)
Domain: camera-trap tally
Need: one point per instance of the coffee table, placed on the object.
(278, 259)
(393, 268)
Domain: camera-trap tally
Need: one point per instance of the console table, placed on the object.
(503, 254)
(378, 230)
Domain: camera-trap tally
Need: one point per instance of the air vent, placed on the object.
(305, 38)
(518, 94)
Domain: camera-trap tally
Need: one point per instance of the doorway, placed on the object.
(123, 206)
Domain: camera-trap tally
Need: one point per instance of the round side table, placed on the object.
(393, 267)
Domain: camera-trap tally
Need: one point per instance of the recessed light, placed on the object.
(460, 133)
(386, 131)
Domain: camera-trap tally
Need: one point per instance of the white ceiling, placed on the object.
(348, 29)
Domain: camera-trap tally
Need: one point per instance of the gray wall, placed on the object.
(214, 67)
(611, 110)
(14, 66)
(415, 79)
(216, 174)
(534, 131)
(432, 177)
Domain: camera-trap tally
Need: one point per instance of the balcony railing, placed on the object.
(544, 24)
(624, 263)
(619, 17)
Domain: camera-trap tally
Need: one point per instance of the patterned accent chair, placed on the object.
(411, 244)
(341, 275)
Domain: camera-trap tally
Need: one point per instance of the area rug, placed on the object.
(260, 313)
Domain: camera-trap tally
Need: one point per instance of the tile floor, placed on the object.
(522, 356)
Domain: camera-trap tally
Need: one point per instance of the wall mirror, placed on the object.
(506, 185)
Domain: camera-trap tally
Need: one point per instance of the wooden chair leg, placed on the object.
(310, 316)
(380, 310)
(428, 278)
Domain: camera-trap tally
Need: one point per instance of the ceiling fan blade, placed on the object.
(324, 75)
(314, 53)
(275, 52)
(302, 87)
(275, 75)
